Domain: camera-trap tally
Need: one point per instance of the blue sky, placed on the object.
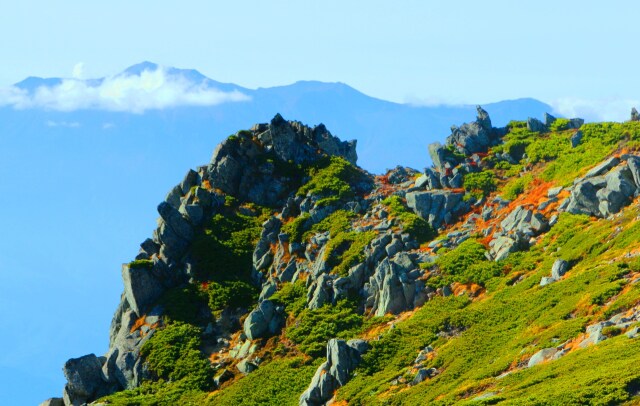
(576, 55)
(60, 256)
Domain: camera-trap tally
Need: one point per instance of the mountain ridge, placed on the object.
(405, 265)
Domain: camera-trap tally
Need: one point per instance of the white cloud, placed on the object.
(611, 109)
(106, 126)
(72, 124)
(78, 70)
(151, 90)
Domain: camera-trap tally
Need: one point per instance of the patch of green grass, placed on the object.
(159, 393)
(293, 296)
(296, 228)
(516, 186)
(141, 264)
(346, 250)
(313, 328)
(337, 222)
(560, 124)
(334, 180)
(280, 382)
(230, 293)
(467, 264)
(223, 250)
(173, 353)
(480, 184)
(413, 224)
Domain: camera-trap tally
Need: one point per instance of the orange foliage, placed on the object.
(139, 323)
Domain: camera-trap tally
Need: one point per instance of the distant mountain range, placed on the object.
(82, 171)
(388, 133)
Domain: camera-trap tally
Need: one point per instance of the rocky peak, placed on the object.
(259, 165)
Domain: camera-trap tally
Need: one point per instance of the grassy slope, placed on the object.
(496, 332)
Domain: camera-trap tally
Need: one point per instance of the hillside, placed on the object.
(282, 273)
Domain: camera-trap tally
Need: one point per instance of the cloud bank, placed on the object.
(611, 109)
(151, 90)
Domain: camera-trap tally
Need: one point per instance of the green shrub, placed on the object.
(337, 222)
(313, 328)
(184, 304)
(467, 263)
(516, 186)
(296, 228)
(173, 353)
(332, 183)
(293, 296)
(560, 124)
(230, 294)
(141, 264)
(224, 249)
(279, 382)
(346, 250)
(413, 224)
(480, 183)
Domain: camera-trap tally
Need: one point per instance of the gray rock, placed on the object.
(473, 137)
(559, 268)
(190, 179)
(359, 345)
(576, 139)
(141, 287)
(546, 280)
(222, 377)
(85, 380)
(594, 335)
(437, 206)
(602, 168)
(268, 289)
(554, 191)
(53, 402)
(420, 376)
(541, 356)
(535, 125)
(332, 374)
(633, 332)
(246, 367)
(394, 247)
(320, 292)
(262, 321)
(549, 119)
(633, 162)
(634, 115)
(173, 197)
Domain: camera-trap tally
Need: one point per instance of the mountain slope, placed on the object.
(281, 273)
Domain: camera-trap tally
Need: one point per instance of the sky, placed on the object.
(578, 56)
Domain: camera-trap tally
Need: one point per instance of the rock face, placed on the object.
(606, 188)
(266, 319)
(473, 137)
(437, 207)
(85, 380)
(516, 231)
(246, 169)
(342, 358)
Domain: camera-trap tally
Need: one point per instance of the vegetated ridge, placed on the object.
(282, 273)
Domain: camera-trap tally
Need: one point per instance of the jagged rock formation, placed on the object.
(342, 358)
(330, 234)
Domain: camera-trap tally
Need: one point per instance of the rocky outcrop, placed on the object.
(635, 116)
(244, 164)
(606, 188)
(85, 380)
(559, 268)
(342, 358)
(517, 230)
(474, 137)
(439, 207)
(265, 320)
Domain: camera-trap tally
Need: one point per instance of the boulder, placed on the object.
(265, 320)
(549, 119)
(437, 207)
(141, 287)
(85, 380)
(541, 356)
(332, 374)
(634, 115)
(53, 402)
(473, 137)
(535, 125)
(576, 138)
(559, 268)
